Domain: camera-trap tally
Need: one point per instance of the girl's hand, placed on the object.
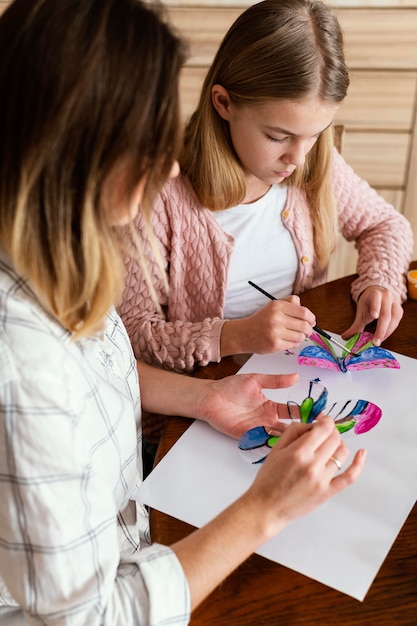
(281, 324)
(376, 303)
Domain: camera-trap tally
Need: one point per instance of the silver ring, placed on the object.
(336, 462)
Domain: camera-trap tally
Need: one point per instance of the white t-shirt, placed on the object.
(264, 253)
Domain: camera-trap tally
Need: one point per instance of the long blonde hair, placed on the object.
(91, 85)
(275, 50)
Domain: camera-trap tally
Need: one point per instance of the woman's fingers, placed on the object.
(306, 468)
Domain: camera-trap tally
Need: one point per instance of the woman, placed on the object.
(88, 132)
(261, 197)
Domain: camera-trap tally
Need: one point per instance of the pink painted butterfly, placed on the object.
(367, 356)
(354, 416)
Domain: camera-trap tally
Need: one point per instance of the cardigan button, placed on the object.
(304, 260)
(285, 214)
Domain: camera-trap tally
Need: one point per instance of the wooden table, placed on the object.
(261, 592)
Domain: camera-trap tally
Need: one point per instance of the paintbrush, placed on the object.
(318, 330)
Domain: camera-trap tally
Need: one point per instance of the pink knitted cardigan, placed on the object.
(196, 253)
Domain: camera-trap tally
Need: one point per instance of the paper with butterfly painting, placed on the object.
(344, 542)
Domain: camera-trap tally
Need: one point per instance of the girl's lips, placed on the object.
(283, 174)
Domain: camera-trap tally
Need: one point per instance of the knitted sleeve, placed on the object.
(382, 236)
(164, 336)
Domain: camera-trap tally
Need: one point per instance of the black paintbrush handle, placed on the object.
(318, 330)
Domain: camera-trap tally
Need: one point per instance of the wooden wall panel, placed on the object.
(381, 158)
(378, 100)
(374, 38)
(380, 38)
(410, 200)
(203, 27)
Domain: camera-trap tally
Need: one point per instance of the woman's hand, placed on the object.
(232, 405)
(376, 303)
(299, 473)
(297, 476)
(281, 324)
(237, 403)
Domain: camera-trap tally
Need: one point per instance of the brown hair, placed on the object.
(275, 50)
(92, 86)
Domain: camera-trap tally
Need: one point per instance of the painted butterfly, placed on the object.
(355, 416)
(366, 355)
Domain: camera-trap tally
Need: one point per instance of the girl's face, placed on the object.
(272, 139)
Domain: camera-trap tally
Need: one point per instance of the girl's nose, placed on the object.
(296, 154)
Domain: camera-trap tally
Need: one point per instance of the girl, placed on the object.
(261, 197)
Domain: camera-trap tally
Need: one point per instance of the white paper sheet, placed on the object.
(342, 543)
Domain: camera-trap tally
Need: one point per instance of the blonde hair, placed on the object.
(92, 85)
(275, 50)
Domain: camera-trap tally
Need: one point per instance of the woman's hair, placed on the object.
(88, 88)
(276, 50)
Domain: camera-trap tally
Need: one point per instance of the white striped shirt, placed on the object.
(69, 459)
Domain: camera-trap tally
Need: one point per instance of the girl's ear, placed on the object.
(221, 101)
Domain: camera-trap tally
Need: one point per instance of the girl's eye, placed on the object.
(276, 140)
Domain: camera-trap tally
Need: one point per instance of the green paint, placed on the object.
(343, 428)
(306, 408)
